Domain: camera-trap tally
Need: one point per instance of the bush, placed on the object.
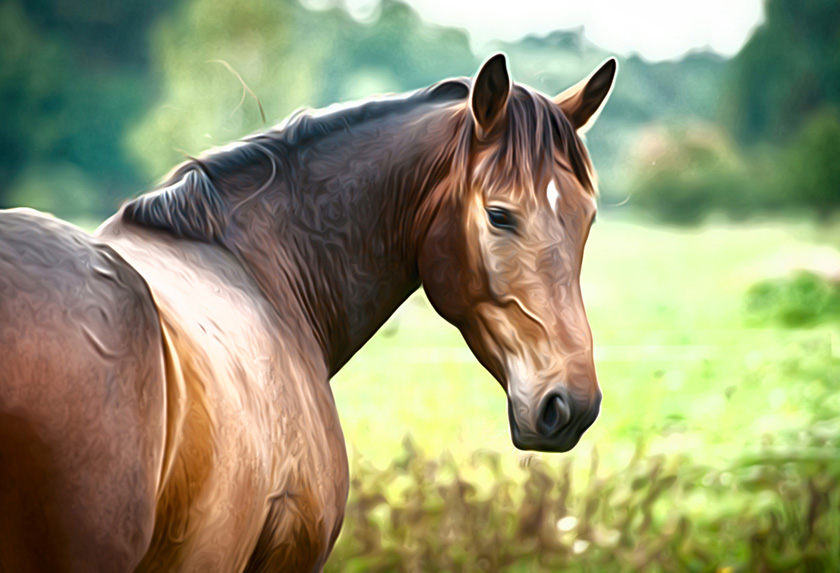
(801, 300)
(696, 171)
(691, 174)
(775, 511)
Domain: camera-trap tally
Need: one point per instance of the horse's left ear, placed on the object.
(490, 93)
(582, 102)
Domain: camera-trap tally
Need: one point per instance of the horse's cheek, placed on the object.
(442, 272)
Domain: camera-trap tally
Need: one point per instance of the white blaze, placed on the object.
(553, 195)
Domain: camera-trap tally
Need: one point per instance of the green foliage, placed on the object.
(198, 51)
(802, 300)
(778, 510)
(671, 90)
(64, 186)
(644, 91)
(780, 97)
(77, 83)
(123, 92)
(809, 167)
(789, 68)
(694, 176)
(64, 104)
(109, 34)
(692, 173)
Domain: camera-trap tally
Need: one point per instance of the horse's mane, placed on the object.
(191, 200)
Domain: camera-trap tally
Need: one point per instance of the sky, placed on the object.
(655, 29)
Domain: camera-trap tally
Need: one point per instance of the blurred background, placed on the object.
(712, 277)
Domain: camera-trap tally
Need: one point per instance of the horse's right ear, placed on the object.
(582, 103)
(490, 93)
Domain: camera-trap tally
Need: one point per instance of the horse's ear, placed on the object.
(582, 102)
(490, 93)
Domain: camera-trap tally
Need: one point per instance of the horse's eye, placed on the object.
(501, 218)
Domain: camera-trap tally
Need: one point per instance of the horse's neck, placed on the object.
(343, 245)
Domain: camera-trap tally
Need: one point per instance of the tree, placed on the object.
(809, 166)
(66, 97)
(789, 68)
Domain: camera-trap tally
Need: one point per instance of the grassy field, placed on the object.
(679, 364)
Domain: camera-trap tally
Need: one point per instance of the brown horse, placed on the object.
(164, 384)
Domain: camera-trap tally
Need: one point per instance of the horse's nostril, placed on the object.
(554, 416)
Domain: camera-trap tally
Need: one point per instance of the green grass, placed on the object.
(678, 363)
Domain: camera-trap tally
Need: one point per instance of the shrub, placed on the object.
(801, 300)
(775, 511)
(691, 173)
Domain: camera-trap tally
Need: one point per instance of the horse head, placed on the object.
(502, 256)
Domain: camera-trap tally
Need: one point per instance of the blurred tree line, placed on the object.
(777, 133)
(73, 77)
(102, 98)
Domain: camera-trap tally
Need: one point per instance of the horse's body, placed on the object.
(192, 430)
(164, 384)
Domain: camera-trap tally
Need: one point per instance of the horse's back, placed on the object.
(81, 400)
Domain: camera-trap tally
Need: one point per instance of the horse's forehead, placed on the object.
(558, 187)
(518, 180)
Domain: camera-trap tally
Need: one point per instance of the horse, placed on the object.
(165, 398)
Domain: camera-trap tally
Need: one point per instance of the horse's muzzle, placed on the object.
(559, 424)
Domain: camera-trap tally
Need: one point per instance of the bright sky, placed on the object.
(655, 29)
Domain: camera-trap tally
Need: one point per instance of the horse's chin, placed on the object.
(561, 442)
